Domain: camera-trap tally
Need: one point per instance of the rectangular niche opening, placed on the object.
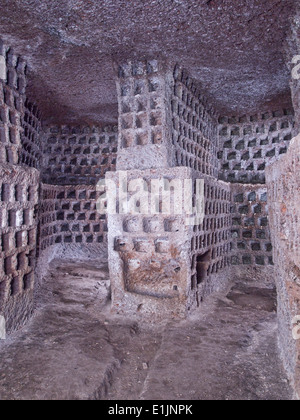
(203, 263)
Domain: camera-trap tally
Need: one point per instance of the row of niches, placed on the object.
(213, 268)
(10, 135)
(240, 161)
(88, 141)
(11, 193)
(251, 197)
(71, 160)
(13, 241)
(17, 264)
(191, 91)
(9, 116)
(56, 238)
(15, 69)
(89, 176)
(269, 129)
(66, 150)
(153, 224)
(213, 222)
(190, 133)
(216, 192)
(144, 245)
(133, 138)
(32, 115)
(244, 218)
(254, 144)
(16, 218)
(81, 211)
(206, 240)
(239, 177)
(254, 246)
(141, 87)
(29, 157)
(216, 208)
(190, 140)
(141, 104)
(141, 120)
(9, 154)
(250, 232)
(265, 116)
(217, 252)
(138, 69)
(185, 117)
(65, 130)
(11, 100)
(75, 228)
(70, 193)
(250, 259)
(202, 165)
(32, 142)
(16, 286)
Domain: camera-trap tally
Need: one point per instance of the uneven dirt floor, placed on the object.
(74, 348)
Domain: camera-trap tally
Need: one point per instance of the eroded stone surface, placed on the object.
(235, 49)
(74, 348)
(283, 184)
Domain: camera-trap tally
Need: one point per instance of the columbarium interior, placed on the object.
(164, 100)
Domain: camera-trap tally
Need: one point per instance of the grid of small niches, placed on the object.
(11, 106)
(193, 92)
(17, 210)
(220, 259)
(76, 218)
(187, 109)
(193, 126)
(31, 154)
(217, 244)
(217, 203)
(141, 105)
(10, 193)
(214, 234)
(250, 233)
(15, 70)
(249, 146)
(215, 227)
(195, 155)
(79, 159)
(17, 275)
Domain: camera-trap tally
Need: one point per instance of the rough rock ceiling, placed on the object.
(234, 47)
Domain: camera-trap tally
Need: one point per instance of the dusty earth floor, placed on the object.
(74, 348)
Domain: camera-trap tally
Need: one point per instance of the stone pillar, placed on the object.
(145, 123)
(162, 263)
(150, 253)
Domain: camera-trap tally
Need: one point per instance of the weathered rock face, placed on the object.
(233, 48)
(18, 193)
(284, 196)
